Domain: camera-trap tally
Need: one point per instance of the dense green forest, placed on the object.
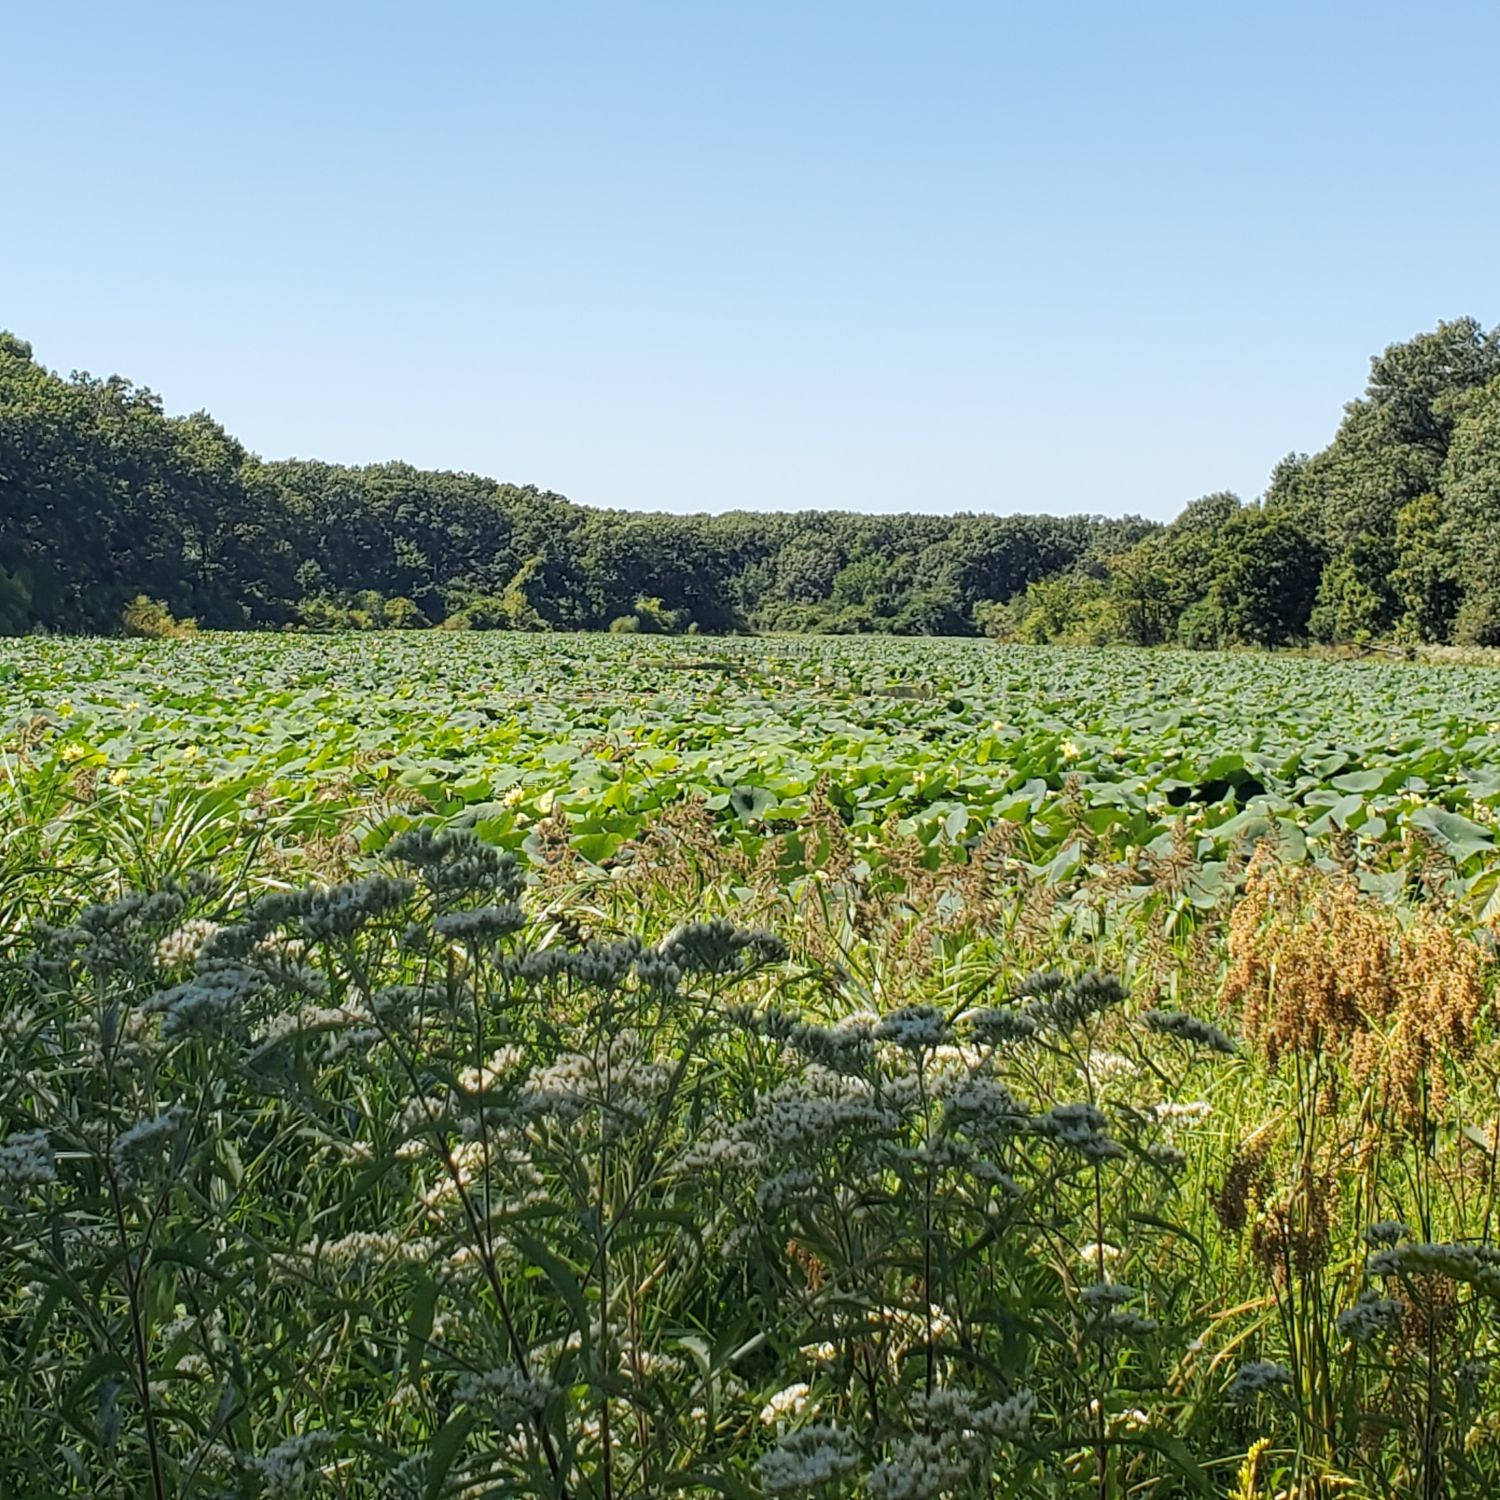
(114, 515)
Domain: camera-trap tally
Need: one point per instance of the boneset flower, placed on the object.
(805, 1459)
(1256, 1378)
(26, 1159)
(1186, 1028)
(789, 1402)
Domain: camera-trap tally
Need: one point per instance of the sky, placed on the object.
(709, 256)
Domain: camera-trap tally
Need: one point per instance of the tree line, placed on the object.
(115, 515)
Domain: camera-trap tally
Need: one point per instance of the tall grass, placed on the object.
(445, 1176)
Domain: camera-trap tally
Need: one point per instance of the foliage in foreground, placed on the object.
(437, 1183)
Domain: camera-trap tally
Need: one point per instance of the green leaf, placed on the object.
(445, 1450)
(1360, 781)
(1452, 831)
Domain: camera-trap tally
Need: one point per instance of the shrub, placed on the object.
(150, 619)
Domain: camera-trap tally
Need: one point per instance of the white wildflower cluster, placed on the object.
(26, 1159)
(913, 1328)
(1187, 1112)
(796, 1186)
(615, 1081)
(1080, 1128)
(959, 1413)
(168, 1333)
(362, 1250)
(504, 1156)
(493, 1072)
(719, 947)
(593, 965)
(1127, 1419)
(109, 936)
(999, 1026)
(807, 1459)
(815, 1109)
(409, 1480)
(914, 1028)
(455, 862)
(17, 1023)
(740, 1241)
(395, 1004)
(847, 1046)
(657, 973)
(952, 1062)
(117, 1035)
(281, 964)
(419, 1119)
(1257, 1378)
(655, 1363)
(937, 1153)
(808, 1113)
(135, 1153)
(1189, 1029)
(288, 1468)
(1097, 1253)
(1007, 1421)
(1371, 1318)
(723, 1152)
(329, 1024)
(793, 1401)
(335, 911)
(198, 1329)
(208, 1003)
(524, 1183)
(921, 1468)
(1387, 1232)
(349, 1041)
(1107, 1314)
(909, 1328)
(1056, 1003)
(1109, 1067)
(1476, 1265)
(182, 945)
(600, 1334)
(991, 1174)
(506, 1392)
(480, 926)
(1166, 1156)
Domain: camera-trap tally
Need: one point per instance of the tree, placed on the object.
(1357, 599)
(1426, 577)
(1266, 579)
(1394, 527)
(1470, 488)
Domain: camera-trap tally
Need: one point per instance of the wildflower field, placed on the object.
(488, 1065)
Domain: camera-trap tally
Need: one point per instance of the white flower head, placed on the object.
(790, 1402)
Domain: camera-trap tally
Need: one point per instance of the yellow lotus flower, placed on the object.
(190, 752)
(119, 776)
(70, 753)
(1069, 750)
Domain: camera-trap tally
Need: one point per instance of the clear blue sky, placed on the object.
(704, 255)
